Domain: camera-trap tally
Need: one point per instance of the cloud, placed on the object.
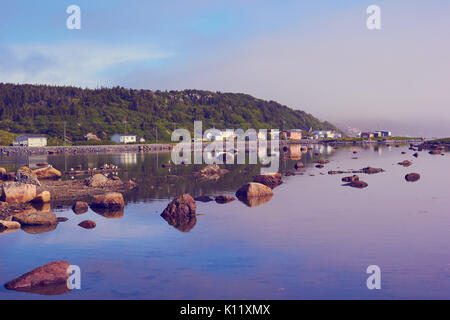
(81, 64)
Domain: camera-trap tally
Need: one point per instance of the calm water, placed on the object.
(313, 240)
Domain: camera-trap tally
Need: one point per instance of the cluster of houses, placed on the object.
(375, 134)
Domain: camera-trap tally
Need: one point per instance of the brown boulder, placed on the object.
(35, 218)
(111, 200)
(370, 170)
(48, 173)
(80, 207)
(323, 161)
(180, 213)
(253, 189)
(224, 199)
(43, 197)
(25, 175)
(48, 279)
(412, 177)
(270, 180)
(87, 224)
(16, 192)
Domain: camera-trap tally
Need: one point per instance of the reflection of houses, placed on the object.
(31, 140)
(124, 138)
(295, 151)
(36, 161)
(125, 158)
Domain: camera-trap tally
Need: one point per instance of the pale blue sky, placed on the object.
(312, 55)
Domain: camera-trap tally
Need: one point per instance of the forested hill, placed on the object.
(44, 109)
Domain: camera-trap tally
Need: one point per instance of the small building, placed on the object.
(384, 134)
(31, 140)
(294, 134)
(326, 134)
(124, 138)
(367, 135)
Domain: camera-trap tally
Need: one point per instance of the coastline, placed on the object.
(163, 147)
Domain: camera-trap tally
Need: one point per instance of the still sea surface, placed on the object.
(313, 240)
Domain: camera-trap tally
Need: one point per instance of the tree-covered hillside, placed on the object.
(47, 109)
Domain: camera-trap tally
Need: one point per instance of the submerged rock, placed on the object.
(412, 177)
(49, 279)
(224, 199)
(370, 170)
(80, 207)
(97, 180)
(323, 161)
(25, 175)
(17, 192)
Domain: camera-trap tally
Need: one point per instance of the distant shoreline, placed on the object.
(163, 147)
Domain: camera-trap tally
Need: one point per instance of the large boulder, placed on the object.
(80, 207)
(48, 173)
(270, 180)
(43, 197)
(110, 201)
(183, 205)
(357, 184)
(97, 180)
(37, 218)
(25, 175)
(180, 213)
(48, 279)
(9, 225)
(17, 192)
(253, 189)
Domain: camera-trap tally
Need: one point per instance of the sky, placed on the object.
(317, 56)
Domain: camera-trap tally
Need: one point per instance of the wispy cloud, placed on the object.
(82, 64)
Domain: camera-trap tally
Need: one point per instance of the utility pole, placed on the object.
(64, 132)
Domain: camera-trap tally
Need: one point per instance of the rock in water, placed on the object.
(183, 205)
(435, 152)
(351, 178)
(224, 199)
(370, 170)
(49, 279)
(415, 155)
(8, 225)
(111, 201)
(204, 199)
(270, 180)
(412, 177)
(35, 218)
(323, 161)
(17, 192)
(48, 173)
(357, 184)
(405, 163)
(43, 197)
(253, 189)
(80, 207)
(299, 165)
(87, 224)
(319, 166)
(25, 175)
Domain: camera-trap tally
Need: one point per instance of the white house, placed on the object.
(324, 134)
(31, 140)
(124, 138)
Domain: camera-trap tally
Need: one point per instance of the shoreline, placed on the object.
(164, 147)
